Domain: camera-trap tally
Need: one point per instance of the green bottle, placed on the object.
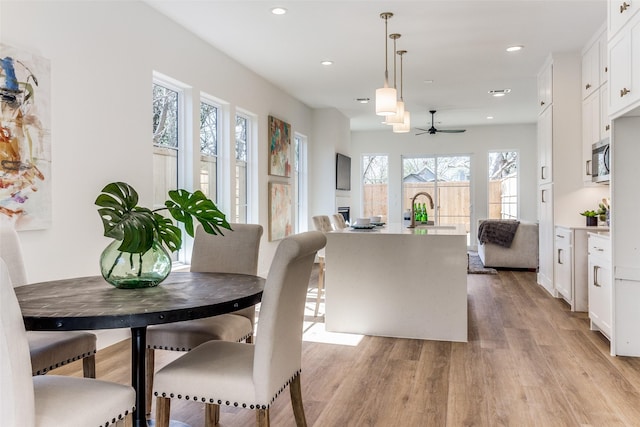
(423, 213)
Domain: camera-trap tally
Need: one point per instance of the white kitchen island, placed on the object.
(398, 282)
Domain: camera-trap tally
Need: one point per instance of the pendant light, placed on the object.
(405, 126)
(398, 117)
(386, 97)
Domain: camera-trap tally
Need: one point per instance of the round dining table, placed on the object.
(89, 303)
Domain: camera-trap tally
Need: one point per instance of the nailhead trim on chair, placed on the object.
(228, 403)
(64, 362)
(115, 420)
(159, 347)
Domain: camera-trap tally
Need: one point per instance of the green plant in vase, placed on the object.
(592, 217)
(137, 257)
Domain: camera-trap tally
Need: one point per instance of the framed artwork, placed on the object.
(279, 211)
(25, 139)
(279, 147)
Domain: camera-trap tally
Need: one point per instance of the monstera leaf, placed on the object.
(137, 227)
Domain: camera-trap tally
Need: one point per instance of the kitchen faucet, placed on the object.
(413, 207)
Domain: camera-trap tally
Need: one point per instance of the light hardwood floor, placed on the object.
(529, 361)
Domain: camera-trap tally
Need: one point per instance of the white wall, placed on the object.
(102, 58)
(476, 141)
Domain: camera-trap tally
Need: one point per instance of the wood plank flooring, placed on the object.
(529, 361)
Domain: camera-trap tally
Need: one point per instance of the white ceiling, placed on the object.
(459, 45)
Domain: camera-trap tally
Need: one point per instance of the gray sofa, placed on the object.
(523, 252)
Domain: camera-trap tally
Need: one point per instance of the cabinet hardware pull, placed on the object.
(587, 166)
(542, 175)
(560, 236)
(541, 103)
(624, 91)
(559, 259)
(624, 6)
(607, 127)
(587, 86)
(542, 193)
(595, 276)
(606, 69)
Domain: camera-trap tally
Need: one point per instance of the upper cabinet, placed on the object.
(624, 66)
(620, 12)
(591, 69)
(545, 86)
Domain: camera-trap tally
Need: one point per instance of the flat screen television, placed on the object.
(343, 172)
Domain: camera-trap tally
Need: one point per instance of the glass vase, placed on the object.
(132, 271)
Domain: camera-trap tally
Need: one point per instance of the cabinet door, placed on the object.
(545, 146)
(604, 59)
(563, 270)
(620, 76)
(591, 69)
(545, 86)
(605, 123)
(620, 11)
(545, 242)
(600, 294)
(590, 131)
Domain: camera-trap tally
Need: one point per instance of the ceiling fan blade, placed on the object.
(451, 130)
(424, 130)
(421, 133)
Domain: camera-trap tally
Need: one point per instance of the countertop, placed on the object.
(397, 228)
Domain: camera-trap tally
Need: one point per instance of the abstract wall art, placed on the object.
(25, 139)
(279, 211)
(279, 147)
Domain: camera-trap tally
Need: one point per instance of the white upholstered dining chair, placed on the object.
(49, 400)
(48, 350)
(234, 252)
(321, 223)
(338, 222)
(244, 375)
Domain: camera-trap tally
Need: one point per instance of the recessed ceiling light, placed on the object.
(499, 92)
(489, 117)
(428, 81)
(278, 10)
(514, 48)
(363, 100)
(327, 62)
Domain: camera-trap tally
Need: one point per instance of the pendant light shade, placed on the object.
(398, 117)
(405, 126)
(386, 97)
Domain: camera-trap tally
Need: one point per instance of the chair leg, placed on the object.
(151, 357)
(295, 390)
(249, 339)
(211, 414)
(320, 284)
(262, 417)
(89, 366)
(163, 409)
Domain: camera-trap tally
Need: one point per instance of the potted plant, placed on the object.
(592, 217)
(137, 257)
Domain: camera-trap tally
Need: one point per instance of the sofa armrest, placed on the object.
(523, 252)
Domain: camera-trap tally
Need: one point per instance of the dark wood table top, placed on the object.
(88, 303)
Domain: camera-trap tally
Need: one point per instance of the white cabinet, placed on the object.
(591, 69)
(600, 279)
(545, 86)
(545, 146)
(624, 66)
(570, 274)
(545, 238)
(605, 123)
(620, 11)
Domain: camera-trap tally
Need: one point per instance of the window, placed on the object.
(446, 179)
(241, 173)
(375, 185)
(503, 185)
(166, 124)
(209, 149)
(300, 182)
(167, 117)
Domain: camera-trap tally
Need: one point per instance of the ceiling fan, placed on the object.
(432, 130)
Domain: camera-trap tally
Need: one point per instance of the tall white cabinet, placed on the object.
(559, 137)
(624, 106)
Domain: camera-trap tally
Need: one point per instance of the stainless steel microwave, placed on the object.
(600, 169)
